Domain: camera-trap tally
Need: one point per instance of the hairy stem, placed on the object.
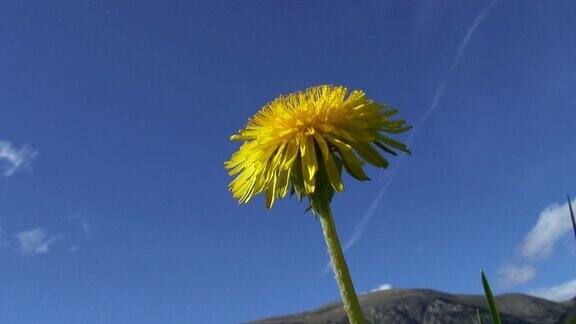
(351, 304)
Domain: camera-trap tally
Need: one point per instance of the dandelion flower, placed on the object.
(301, 141)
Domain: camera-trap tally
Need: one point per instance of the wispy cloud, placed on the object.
(512, 275)
(13, 159)
(86, 229)
(553, 223)
(35, 241)
(359, 229)
(382, 287)
(84, 225)
(562, 292)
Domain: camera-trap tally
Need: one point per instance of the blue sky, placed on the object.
(114, 126)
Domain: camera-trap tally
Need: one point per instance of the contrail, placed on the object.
(481, 16)
(461, 48)
(359, 229)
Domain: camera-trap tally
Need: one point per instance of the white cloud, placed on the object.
(559, 293)
(553, 223)
(13, 159)
(382, 287)
(512, 275)
(35, 241)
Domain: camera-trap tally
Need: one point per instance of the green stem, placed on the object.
(351, 304)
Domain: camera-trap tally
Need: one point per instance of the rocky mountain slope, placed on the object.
(411, 306)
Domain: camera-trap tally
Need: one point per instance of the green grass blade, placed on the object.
(480, 321)
(572, 215)
(491, 303)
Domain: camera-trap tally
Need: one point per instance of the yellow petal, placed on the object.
(352, 164)
(271, 193)
(309, 166)
(370, 155)
(331, 167)
(322, 145)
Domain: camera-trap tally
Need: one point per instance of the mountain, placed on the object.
(412, 306)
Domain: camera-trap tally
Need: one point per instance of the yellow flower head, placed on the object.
(300, 142)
